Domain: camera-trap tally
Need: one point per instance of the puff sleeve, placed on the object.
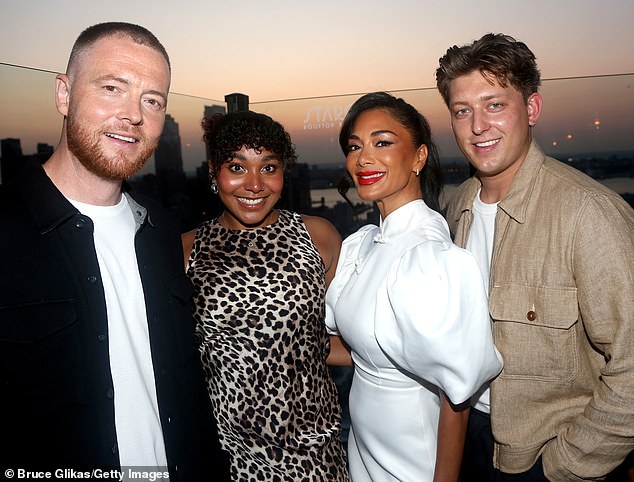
(432, 319)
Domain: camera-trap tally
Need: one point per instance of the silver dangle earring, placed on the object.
(214, 187)
(417, 172)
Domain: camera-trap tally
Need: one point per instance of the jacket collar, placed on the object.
(49, 207)
(139, 212)
(46, 203)
(515, 202)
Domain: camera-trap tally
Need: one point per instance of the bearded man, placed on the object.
(98, 365)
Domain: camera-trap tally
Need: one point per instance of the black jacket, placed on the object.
(56, 390)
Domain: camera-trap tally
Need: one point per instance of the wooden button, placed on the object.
(531, 315)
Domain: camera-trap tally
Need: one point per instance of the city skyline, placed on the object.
(580, 115)
(316, 53)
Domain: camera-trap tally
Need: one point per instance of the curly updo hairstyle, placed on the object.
(226, 134)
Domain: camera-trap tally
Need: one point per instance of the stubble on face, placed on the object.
(106, 79)
(84, 145)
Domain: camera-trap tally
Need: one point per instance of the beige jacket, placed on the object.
(562, 303)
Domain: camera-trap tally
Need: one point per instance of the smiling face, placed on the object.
(114, 99)
(249, 186)
(382, 161)
(492, 125)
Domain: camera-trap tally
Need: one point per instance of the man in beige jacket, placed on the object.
(556, 249)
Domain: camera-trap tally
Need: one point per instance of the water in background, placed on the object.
(331, 197)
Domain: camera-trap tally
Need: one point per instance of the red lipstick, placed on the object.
(367, 178)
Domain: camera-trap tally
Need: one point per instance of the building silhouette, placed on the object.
(210, 111)
(44, 151)
(168, 162)
(296, 192)
(11, 159)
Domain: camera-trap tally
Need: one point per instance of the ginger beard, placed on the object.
(85, 146)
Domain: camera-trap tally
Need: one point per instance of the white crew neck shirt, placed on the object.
(480, 244)
(137, 421)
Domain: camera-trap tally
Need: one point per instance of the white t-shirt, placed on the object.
(480, 244)
(137, 421)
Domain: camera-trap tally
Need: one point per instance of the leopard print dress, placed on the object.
(259, 314)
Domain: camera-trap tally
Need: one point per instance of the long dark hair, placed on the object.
(430, 178)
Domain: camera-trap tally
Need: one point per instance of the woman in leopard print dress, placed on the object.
(260, 276)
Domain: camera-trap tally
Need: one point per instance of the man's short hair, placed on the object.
(503, 57)
(138, 34)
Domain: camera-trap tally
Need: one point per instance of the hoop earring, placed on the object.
(214, 187)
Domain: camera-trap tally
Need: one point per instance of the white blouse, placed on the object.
(407, 300)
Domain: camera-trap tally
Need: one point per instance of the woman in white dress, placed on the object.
(410, 304)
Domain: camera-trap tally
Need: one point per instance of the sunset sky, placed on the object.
(289, 49)
(281, 49)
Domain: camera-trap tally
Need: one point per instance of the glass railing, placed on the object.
(29, 114)
(588, 122)
(580, 116)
